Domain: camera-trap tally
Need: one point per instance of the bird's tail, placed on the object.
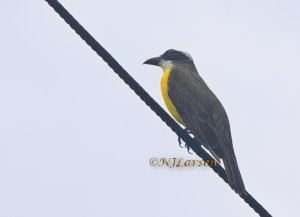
(233, 173)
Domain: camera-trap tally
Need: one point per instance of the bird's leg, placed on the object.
(185, 146)
(179, 139)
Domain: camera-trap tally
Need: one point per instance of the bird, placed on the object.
(193, 104)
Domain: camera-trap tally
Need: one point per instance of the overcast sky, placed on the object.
(76, 141)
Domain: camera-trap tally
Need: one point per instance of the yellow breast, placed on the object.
(167, 100)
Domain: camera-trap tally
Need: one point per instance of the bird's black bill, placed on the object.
(153, 61)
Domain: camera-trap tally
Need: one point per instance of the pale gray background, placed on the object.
(76, 141)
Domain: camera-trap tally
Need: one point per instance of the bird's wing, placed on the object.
(189, 94)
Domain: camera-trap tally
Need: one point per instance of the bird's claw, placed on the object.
(188, 149)
(179, 141)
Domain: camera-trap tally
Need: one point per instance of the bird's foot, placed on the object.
(185, 145)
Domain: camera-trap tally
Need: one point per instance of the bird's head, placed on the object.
(170, 58)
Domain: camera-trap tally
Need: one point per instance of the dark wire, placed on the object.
(123, 74)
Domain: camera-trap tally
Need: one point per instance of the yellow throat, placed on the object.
(164, 90)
